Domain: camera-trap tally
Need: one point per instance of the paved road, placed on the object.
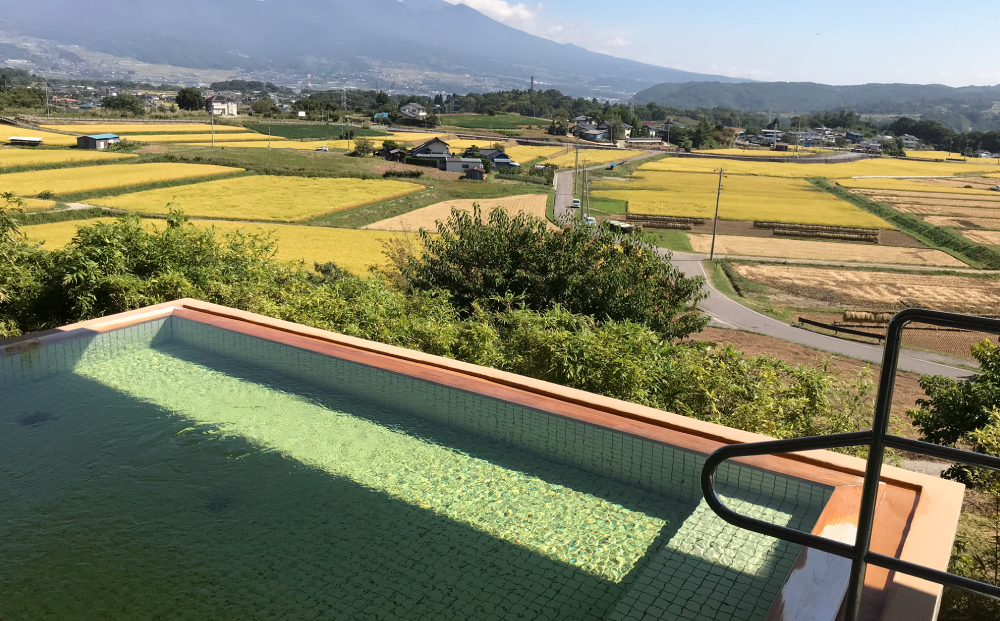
(728, 313)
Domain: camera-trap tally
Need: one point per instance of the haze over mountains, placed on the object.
(442, 42)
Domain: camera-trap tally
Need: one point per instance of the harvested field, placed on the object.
(984, 199)
(746, 198)
(965, 223)
(91, 178)
(959, 210)
(143, 128)
(870, 167)
(821, 251)
(879, 290)
(978, 183)
(350, 249)
(989, 238)
(592, 157)
(915, 185)
(427, 217)
(278, 199)
(10, 158)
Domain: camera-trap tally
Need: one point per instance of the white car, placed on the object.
(589, 221)
(323, 148)
(575, 204)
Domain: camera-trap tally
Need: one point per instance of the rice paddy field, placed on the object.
(38, 204)
(143, 128)
(945, 155)
(485, 121)
(13, 157)
(989, 238)
(277, 199)
(878, 290)
(427, 217)
(353, 250)
(871, 167)
(732, 245)
(49, 139)
(914, 185)
(92, 178)
(522, 155)
(219, 137)
(744, 198)
(593, 157)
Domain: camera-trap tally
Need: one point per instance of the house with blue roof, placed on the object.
(97, 142)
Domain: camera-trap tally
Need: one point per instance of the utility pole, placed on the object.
(576, 172)
(212, 112)
(715, 227)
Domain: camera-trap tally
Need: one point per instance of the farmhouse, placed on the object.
(497, 157)
(459, 164)
(435, 148)
(220, 105)
(97, 142)
(413, 111)
(854, 137)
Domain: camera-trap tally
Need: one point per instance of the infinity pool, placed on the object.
(178, 470)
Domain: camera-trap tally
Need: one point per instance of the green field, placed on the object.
(310, 131)
(485, 121)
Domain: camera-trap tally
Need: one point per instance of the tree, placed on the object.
(490, 263)
(264, 106)
(190, 99)
(5, 83)
(21, 97)
(124, 103)
(363, 147)
(382, 100)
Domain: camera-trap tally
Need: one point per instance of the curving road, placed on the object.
(728, 313)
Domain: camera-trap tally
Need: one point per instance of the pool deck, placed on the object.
(916, 518)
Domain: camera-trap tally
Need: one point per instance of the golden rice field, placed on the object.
(277, 199)
(593, 157)
(91, 178)
(37, 204)
(10, 158)
(353, 250)
(143, 128)
(49, 139)
(744, 198)
(876, 290)
(223, 137)
(963, 223)
(944, 155)
(733, 245)
(522, 155)
(871, 167)
(427, 217)
(989, 238)
(909, 185)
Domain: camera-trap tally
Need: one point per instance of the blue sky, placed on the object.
(845, 42)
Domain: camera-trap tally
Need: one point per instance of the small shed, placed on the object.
(25, 141)
(781, 146)
(97, 142)
(459, 164)
(476, 174)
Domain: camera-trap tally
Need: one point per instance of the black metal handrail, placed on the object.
(877, 439)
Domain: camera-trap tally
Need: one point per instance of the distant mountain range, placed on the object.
(970, 107)
(431, 43)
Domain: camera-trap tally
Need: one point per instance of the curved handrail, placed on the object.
(877, 439)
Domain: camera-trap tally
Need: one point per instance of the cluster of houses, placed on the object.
(470, 162)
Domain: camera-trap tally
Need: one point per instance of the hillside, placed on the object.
(959, 108)
(436, 42)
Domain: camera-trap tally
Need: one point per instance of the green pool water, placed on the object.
(179, 471)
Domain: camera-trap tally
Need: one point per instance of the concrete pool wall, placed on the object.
(917, 515)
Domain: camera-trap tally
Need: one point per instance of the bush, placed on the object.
(588, 271)
(426, 162)
(403, 174)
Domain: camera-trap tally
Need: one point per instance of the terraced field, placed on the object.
(92, 178)
(427, 217)
(143, 128)
(731, 245)
(49, 139)
(989, 238)
(879, 290)
(353, 250)
(918, 185)
(870, 167)
(13, 157)
(745, 198)
(278, 199)
(592, 157)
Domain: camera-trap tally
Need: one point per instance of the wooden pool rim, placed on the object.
(916, 519)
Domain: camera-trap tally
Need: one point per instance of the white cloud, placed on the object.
(617, 42)
(519, 14)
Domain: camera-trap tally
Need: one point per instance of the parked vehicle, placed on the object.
(590, 221)
(575, 204)
(996, 188)
(323, 148)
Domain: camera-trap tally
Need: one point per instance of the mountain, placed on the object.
(970, 107)
(428, 41)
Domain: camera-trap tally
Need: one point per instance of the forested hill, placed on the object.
(971, 107)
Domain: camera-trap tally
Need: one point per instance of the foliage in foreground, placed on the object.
(594, 272)
(119, 266)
